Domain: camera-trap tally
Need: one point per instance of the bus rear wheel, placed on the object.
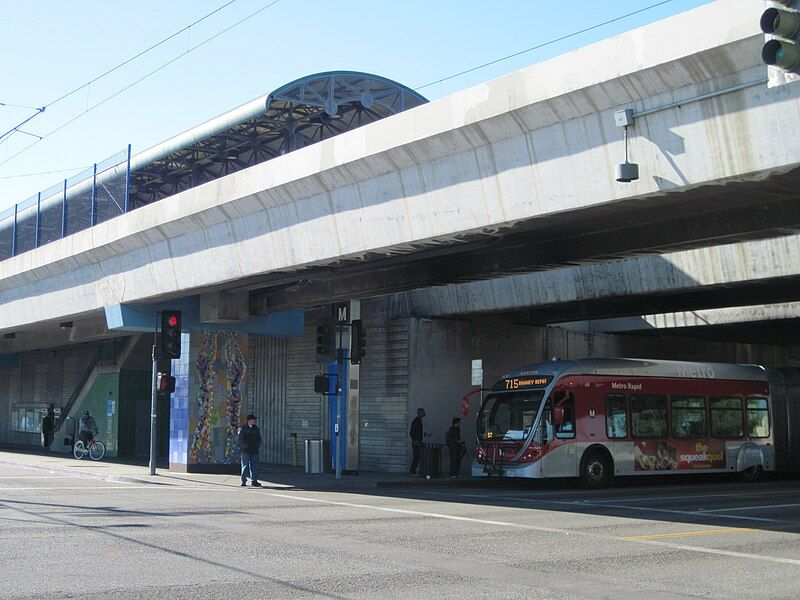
(596, 470)
(752, 474)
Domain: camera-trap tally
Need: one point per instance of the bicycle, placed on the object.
(96, 449)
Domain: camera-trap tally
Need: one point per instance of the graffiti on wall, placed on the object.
(220, 369)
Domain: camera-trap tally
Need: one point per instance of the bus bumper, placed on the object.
(528, 470)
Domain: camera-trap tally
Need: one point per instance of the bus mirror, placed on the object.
(558, 416)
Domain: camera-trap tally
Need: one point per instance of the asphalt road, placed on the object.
(66, 537)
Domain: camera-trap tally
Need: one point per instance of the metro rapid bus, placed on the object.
(600, 418)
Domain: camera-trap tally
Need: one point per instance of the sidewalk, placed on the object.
(276, 476)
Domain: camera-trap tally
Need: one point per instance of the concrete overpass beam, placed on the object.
(689, 318)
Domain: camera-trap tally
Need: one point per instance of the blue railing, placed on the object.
(86, 199)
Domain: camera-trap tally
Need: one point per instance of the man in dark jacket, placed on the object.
(453, 441)
(249, 444)
(48, 427)
(416, 433)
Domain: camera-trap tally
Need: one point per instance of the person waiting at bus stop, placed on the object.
(455, 447)
(416, 433)
(249, 441)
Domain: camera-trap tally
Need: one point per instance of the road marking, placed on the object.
(761, 507)
(775, 559)
(76, 487)
(696, 549)
(692, 497)
(127, 486)
(606, 504)
(680, 534)
(34, 477)
(692, 513)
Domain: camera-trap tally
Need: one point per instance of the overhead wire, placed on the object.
(44, 172)
(140, 79)
(9, 105)
(542, 45)
(40, 109)
(139, 54)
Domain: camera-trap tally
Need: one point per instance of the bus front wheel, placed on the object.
(596, 470)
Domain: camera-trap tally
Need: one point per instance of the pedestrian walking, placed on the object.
(416, 433)
(452, 440)
(48, 427)
(249, 441)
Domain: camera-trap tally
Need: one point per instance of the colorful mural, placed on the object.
(218, 388)
(236, 369)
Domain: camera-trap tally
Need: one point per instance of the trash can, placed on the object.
(430, 461)
(314, 453)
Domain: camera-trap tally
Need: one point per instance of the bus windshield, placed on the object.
(508, 416)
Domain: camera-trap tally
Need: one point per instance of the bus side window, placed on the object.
(616, 416)
(688, 416)
(726, 418)
(649, 416)
(757, 418)
(567, 429)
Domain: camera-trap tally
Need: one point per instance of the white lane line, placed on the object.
(419, 513)
(775, 559)
(786, 488)
(696, 549)
(606, 504)
(691, 513)
(694, 497)
(761, 507)
(34, 477)
(124, 486)
(232, 489)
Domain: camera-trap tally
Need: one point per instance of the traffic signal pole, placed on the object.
(339, 400)
(167, 346)
(153, 413)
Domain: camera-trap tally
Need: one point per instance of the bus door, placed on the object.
(558, 430)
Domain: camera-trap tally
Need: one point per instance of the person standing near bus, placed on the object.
(416, 433)
(453, 441)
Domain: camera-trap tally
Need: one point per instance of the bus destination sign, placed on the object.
(522, 383)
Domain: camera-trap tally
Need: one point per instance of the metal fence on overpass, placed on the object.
(86, 199)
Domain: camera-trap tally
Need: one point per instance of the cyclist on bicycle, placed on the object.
(87, 428)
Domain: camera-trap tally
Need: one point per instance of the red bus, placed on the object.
(598, 418)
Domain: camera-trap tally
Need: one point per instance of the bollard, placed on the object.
(294, 449)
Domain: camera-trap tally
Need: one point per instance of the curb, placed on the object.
(322, 486)
(74, 472)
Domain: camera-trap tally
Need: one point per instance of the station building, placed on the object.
(638, 278)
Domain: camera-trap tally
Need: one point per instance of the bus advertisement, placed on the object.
(600, 418)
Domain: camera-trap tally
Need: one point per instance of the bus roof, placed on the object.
(641, 367)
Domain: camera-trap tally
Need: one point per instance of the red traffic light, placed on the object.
(172, 320)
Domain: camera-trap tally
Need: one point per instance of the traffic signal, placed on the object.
(169, 341)
(781, 22)
(326, 340)
(165, 383)
(322, 384)
(358, 341)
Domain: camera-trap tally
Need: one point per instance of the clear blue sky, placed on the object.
(50, 47)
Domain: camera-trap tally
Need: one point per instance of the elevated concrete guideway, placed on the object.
(511, 166)
(739, 274)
